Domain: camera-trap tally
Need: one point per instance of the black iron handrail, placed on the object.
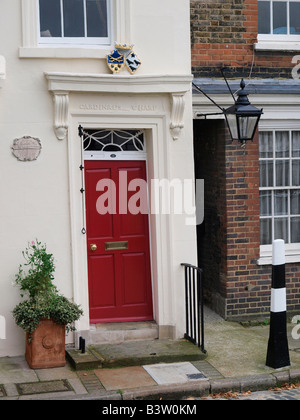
(194, 305)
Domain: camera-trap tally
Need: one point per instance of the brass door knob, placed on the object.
(93, 247)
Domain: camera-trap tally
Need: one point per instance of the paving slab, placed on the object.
(11, 390)
(52, 374)
(77, 386)
(124, 378)
(174, 373)
(16, 370)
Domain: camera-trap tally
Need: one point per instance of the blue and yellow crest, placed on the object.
(115, 61)
(123, 55)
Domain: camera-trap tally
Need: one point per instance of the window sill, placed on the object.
(277, 46)
(266, 258)
(64, 52)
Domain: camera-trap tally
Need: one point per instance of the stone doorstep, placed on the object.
(139, 353)
(116, 333)
(134, 353)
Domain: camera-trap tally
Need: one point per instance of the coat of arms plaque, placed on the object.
(123, 55)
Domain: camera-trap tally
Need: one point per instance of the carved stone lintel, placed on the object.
(61, 110)
(177, 112)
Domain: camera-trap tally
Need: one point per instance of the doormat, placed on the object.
(2, 391)
(44, 387)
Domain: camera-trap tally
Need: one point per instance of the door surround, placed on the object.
(157, 168)
(156, 103)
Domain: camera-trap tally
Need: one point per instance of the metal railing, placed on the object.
(194, 305)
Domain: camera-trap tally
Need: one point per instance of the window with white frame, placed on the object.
(279, 156)
(37, 45)
(279, 19)
(77, 22)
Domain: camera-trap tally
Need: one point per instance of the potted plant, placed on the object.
(46, 314)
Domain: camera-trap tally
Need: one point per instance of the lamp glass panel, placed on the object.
(247, 127)
(232, 124)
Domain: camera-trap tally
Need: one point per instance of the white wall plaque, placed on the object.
(26, 148)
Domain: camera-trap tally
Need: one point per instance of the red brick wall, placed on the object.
(229, 240)
(223, 33)
(247, 285)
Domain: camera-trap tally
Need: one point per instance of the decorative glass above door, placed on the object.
(113, 141)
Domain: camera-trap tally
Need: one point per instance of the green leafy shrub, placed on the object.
(35, 278)
(36, 275)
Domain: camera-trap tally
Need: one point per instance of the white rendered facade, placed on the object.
(46, 91)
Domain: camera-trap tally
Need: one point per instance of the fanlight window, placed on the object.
(113, 140)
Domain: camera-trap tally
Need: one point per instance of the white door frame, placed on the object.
(160, 229)
(129, 157)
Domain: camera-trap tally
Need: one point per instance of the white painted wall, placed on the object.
(36, 196)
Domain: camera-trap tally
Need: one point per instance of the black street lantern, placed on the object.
(242, 117)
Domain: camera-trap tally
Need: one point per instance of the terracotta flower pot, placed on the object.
(47, 348)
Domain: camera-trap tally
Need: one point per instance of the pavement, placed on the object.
(158, 369)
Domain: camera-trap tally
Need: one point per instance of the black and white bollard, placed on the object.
(278, 349)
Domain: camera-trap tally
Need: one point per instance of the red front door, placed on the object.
(117, 242)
